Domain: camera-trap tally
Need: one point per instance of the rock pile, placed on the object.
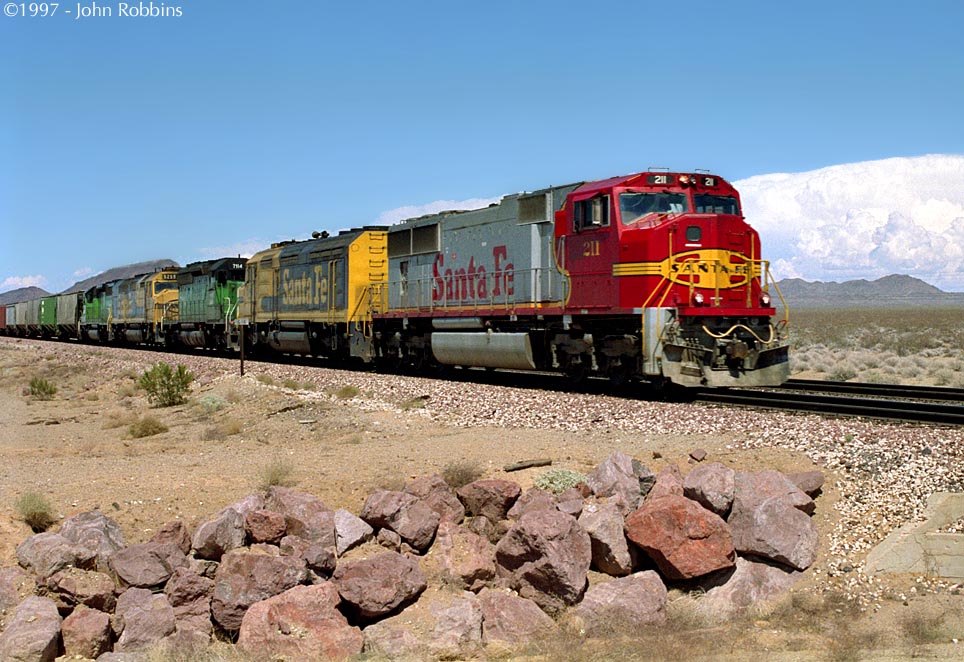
(278, 570)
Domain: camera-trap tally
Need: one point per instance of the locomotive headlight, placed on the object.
(765, 299)
(698, 298)
(684, 180)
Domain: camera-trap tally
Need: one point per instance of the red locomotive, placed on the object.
(651, 276)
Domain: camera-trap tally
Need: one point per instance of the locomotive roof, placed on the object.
(209, 266)
(638, 178)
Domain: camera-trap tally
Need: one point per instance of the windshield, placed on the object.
(161, 286)
(716, 204)
(633, 206)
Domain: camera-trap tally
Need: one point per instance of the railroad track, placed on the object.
(913, 404)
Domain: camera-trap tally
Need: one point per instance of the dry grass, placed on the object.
(35, 510)
(278, 472)
(41, 389)
(345, 392)
(146, 427)
(463, 472)
(118, 418)
(267, 380)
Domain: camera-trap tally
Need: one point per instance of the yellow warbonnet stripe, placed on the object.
(721, 269)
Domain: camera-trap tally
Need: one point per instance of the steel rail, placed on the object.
(898, 410)
(864, 388)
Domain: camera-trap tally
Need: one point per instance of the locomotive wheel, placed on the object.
(577, 369)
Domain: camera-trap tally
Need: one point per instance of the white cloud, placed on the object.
(864, 220)
(16, 282)
(245, 248)
(83, 272)
(414, 211)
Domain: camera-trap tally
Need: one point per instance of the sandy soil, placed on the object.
(77, 451)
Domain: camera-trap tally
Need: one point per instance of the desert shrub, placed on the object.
(463, 472)
(267, 380)
(41, 389)
(558, 480)
(211, 403)
(230, 426)
(919, 629)
(146, 427)
(841, 373)
(35, 510)
(278, 472)
(166, 386)
(414, 403)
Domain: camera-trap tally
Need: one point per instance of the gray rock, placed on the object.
(377, 586)
(774, 529)
(623, 476)
(15, 585)
(464, 557)
(72, 586)
(489, 498)
(752, 581)
(147, 565)
(141, 620)
(47, 553)
(808, 482)
(669, 482)
(760, 485)
(306, 515)
(405, 514)
(510, 621)
(33, 634)
(175, 532)
(219, 534)
(533, 498)
(317, 557)
(712, 486)
(610, 549)
(96, 532)
(548, 555)
(437, 494)
(350, 531)
(626, 603)
(245, 577)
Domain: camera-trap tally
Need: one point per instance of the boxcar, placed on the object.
(28, 317)
(69, 309)
(48, 316)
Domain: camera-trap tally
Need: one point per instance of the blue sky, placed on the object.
(239, 123)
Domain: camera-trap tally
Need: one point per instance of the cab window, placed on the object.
(634, 206)
(716, 204)
(592, 213)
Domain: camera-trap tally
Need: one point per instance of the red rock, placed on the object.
(697, 454)
(464, 557)
(548, 554)
(610, 549)
(148, 564)
(437, 494)
(15, 585)
(265, 526)
(446, 629)
(33, 634)
(245, 577)
(684, 539)
(317, 557)
(457, 634)
(96, 532)
(712, 486)
(86, 633)
(510, 622)
(403, 513)
(490, 498)
(629, 602)
(47, 553)
(73, 586)
(175, 532)
(378, 585)
(141, 620)
(302, 624)
(190, 595)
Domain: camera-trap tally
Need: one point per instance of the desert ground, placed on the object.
(342, 434)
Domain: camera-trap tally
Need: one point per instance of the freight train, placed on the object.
(653, 276)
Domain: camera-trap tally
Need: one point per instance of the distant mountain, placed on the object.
(128, 271)
(894, 290)
(22, 294)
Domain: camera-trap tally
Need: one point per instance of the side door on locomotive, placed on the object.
(587, 242)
